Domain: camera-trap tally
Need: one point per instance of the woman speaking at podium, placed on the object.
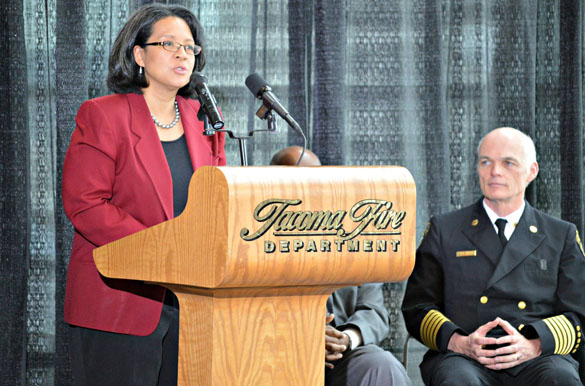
(127, 168)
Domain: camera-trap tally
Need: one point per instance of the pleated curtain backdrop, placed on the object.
(405, 82)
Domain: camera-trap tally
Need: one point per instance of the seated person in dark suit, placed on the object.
(357, 321)
(497, 289)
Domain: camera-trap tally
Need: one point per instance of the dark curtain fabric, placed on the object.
(404, 82)
(571, 111)
(73, 87)
(329, 103)
(14, 201)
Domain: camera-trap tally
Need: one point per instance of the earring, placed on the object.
(140, 71)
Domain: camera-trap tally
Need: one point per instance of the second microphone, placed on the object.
(207, 100)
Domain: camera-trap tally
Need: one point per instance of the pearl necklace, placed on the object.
(173, 123)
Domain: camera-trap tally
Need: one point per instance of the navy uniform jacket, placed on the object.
(361, 307)
(461, 282)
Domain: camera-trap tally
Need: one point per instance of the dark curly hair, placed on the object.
(123, 76)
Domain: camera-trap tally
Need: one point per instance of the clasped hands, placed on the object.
(336, 342)
(518, 350)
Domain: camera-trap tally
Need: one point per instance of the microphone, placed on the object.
(207, 100)
(262, 90)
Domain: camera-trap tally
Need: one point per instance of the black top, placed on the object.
(179, 161)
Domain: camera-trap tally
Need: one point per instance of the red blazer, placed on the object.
(116, 181)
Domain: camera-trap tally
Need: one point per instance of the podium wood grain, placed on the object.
(249, 316)
(266, 335)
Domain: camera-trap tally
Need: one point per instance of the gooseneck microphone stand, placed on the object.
(263, 112)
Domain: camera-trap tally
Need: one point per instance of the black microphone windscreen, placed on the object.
(255, 83)
(198, 78)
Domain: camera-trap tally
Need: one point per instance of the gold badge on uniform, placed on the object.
(426, 229)
(579, 242)
(466, 253)
(424, 234)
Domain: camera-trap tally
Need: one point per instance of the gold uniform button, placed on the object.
(474, 223)
(483, 299)
(521, 305)
(533, 229)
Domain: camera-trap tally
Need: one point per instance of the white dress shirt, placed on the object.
(512, 219)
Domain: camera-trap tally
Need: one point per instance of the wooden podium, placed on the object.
(255, 255)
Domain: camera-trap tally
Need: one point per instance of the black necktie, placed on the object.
(501, 224)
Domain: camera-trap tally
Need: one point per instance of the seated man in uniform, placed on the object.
(357, 321)
(497, 289)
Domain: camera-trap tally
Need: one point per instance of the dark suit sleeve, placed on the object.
(423, 300)
(370, 315)
(561, 333)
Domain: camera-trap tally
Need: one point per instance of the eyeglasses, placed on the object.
(190, 49)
